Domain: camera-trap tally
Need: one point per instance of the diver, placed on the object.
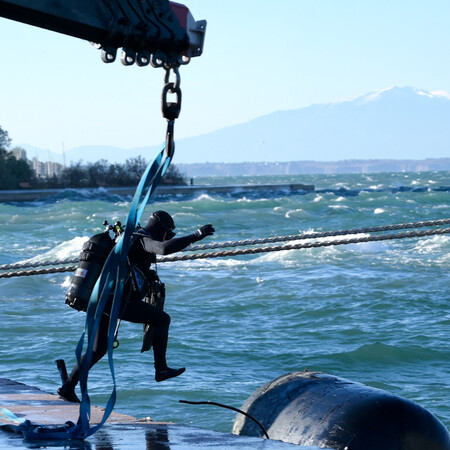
(155, 238)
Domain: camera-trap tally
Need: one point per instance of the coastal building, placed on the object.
(46, 169)
(19, 153)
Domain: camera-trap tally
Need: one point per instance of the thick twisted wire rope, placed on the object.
(254, 251)
(297, 237)
(46, 271)
(315, 235)
(49, 262)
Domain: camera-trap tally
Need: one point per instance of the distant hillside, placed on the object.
(309, 167)
(396, 123)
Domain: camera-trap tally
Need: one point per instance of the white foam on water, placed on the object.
(337, 206)
(203, 197)
(66, 282)
(183, 214)
(431, 244)
(368, 247)
(296, 213)
(68, 249)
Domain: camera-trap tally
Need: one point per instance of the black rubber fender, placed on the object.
(317, 409)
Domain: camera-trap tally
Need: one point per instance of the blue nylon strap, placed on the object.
(111, 281)
(9, 415)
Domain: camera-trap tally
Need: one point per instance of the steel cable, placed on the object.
(297, 237)
(254, 251)
(316, 235)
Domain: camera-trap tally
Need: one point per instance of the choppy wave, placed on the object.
(393, 356)
(67, 249)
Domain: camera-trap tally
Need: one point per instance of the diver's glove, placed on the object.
(202, 232)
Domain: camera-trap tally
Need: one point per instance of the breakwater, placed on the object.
(38, 194)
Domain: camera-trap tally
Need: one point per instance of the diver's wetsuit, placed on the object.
(142, 254)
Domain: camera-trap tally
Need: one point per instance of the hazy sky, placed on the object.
(260, 56)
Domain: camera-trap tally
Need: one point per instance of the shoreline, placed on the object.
(29, 195)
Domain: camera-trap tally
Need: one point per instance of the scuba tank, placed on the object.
(92, 259)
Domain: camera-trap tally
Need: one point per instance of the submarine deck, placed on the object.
(121, 432)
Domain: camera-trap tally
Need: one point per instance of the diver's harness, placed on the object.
(150, 288)
(91, 261)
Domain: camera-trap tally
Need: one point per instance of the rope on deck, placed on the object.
(252, 251)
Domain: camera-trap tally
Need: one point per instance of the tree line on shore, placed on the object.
(17, 173)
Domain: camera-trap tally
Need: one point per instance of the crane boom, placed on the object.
(159, 32)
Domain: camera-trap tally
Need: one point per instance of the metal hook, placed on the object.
(170, 146)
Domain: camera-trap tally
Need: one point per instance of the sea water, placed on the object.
(375, 313)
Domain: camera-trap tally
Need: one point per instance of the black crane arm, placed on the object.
(158, 32)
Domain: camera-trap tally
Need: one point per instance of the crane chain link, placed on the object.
(171, 110)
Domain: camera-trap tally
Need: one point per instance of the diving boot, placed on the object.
(67, 392)
(165, 374)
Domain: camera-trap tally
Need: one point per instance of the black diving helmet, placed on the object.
(161, 225)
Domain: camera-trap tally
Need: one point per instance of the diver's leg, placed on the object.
(141, 312)
(67, 390)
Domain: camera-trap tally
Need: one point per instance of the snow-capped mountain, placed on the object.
(394, 123)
